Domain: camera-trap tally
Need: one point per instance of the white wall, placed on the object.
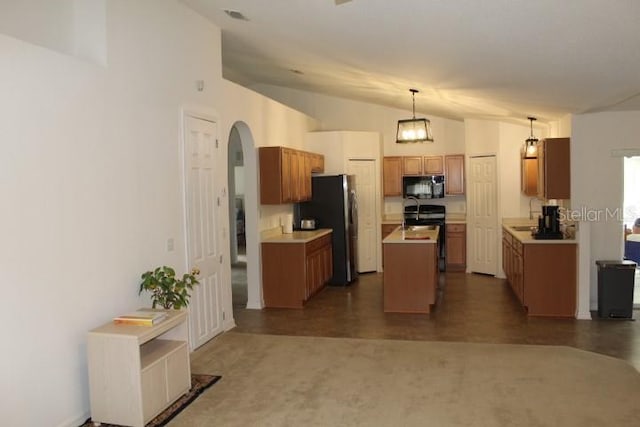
(504, 140)
(597, 180)
(73, 27)
(260, 122)
(90, 183)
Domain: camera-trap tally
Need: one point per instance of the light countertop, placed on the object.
(419, 237)
(297, 236)
(525, 237)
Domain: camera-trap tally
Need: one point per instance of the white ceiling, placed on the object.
(503, 59)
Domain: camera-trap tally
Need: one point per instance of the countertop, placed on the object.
(296, 236)
(525, 237)
(419, 237)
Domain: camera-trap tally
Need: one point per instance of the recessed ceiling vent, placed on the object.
(236, 15)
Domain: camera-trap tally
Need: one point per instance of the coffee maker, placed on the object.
(549, 223)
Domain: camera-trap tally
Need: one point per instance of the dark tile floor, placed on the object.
(471, 308)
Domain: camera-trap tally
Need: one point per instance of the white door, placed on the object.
(203, 241)
(364, 170)
(483, 216)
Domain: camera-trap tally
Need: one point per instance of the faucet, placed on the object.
(530, 208)
(417, 205)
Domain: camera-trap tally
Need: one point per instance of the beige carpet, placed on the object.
(272, 380)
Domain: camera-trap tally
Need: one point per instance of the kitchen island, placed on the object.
(410, 269)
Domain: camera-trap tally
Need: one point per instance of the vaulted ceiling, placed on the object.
(504, 59)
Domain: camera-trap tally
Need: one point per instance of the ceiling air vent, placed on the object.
(236, 15)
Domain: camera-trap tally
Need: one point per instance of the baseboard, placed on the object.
(228, 324)
(75, 422)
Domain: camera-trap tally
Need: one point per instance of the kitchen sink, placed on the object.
(522, 227)
(419, 227)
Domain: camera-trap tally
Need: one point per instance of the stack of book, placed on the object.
(141, 318)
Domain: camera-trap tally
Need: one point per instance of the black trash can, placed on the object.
(615, 289)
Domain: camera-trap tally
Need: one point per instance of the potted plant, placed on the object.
(168, 291)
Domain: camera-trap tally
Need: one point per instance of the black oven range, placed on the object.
(418, 214)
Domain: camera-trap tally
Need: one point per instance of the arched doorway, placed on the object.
(243, 218)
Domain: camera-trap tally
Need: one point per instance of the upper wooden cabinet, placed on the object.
(454, 174)
(432, 165)
(422, 165)
(554, 168)
(529, 176)
(412, 165)
(395, 167)
(285, 174)
(317, 162)
(392, 176)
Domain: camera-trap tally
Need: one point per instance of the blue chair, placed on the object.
(632, 250)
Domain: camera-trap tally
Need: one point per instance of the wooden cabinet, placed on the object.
(387, 229)
(454, 174)
(317, 162)
(422, 165)
(512, 264)
(395, 167)
(433, 165)
(285, 174)
(412, 165)
(456, 247)
(554, 168)
(135, 372)
(392, 176)
(529, 177)
(292, 272)
(410, 278)
(542, 276)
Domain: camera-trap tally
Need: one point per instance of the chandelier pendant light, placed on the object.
(414, 130)
(531, 144)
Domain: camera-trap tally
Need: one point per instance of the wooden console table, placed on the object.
(135, 372)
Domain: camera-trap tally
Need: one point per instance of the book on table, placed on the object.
(141, 318)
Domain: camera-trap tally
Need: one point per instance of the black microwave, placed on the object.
(423, 187)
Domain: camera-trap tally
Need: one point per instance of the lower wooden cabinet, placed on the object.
(386, 230)
(542, 276)
(292, 272)
(456, 247)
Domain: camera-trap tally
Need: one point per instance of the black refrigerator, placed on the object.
(334, 205)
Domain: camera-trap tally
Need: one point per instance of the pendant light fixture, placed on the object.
(530, 145)
(414, 130)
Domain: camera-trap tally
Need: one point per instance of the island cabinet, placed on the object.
(542, 275)
(135, 372)
(293, 270)
(554, 168)
(410, 277)
(392, 176)
(456, 247)
(454, 174)
(387, 229)
(285, 174)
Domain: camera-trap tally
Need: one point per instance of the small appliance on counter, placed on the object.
(549, 224)
(308, 224)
